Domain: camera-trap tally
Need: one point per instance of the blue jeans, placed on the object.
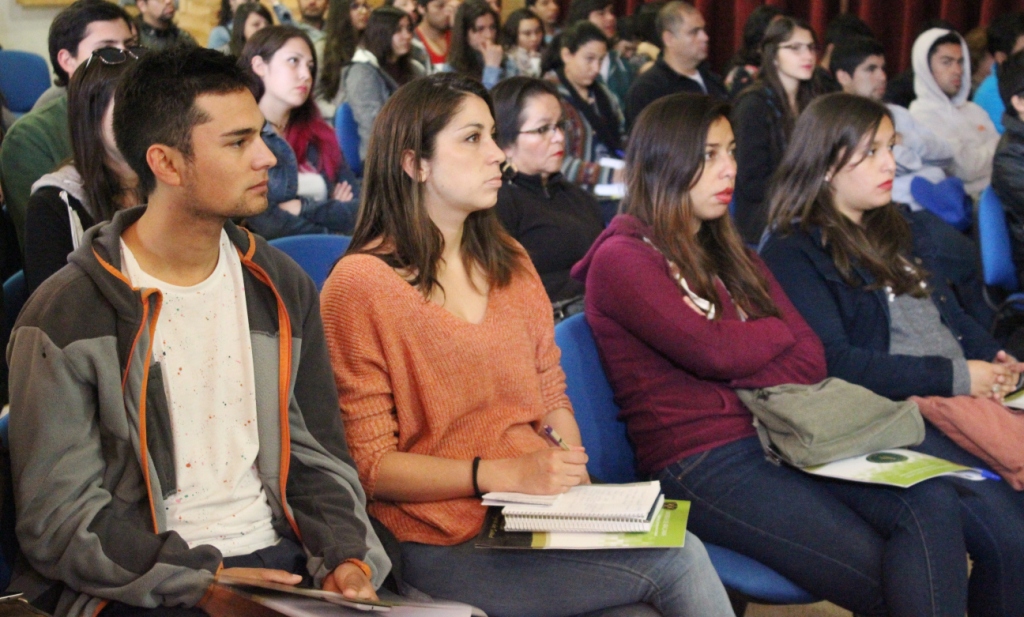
(870, 549)
(552, 583)
(993, 518)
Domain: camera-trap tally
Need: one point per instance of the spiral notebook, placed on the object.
(591, 508)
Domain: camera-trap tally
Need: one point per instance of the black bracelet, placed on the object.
(476, 469)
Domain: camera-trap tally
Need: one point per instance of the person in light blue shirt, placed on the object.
(1005, 37)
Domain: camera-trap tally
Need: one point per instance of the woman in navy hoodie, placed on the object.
(683, 314)
(858, 269)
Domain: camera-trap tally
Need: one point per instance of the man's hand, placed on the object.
(263, 574)
(349, 580)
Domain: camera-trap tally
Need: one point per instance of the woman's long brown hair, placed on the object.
(664, 160)
(393, 221)
(827, 137)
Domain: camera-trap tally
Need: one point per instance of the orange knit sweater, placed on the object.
(412, 377)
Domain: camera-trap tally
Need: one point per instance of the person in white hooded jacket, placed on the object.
(942, 82)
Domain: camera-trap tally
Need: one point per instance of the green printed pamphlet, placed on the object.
(896, 467)
(668, 530)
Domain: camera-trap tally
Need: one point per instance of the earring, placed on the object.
(828, 177)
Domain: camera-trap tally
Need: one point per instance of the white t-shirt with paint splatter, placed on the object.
(203, 344)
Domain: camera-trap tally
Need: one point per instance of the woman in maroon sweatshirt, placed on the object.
(683, 314)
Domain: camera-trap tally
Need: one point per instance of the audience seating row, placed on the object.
(23, 78)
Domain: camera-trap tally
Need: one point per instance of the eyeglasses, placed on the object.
(542, 131)
(800, 47)
(115, 55)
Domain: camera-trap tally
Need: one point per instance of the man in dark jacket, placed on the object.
(681, 67)
(1008, 163)
(174, 411)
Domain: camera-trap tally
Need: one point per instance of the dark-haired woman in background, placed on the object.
(382, 63)
(441, 340)
(474, 50)
(346, 21)
(595, 126)
(547, 10)
(858, 269)
(616, 72)
(764, 115)
(683, 315)
(312, 189)
(555, 220)
(746, 63)
(95, 185)
(523, 38)
(220, 35)
(250, 18)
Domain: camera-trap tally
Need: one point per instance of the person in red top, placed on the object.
(435, 31)
(683, 315)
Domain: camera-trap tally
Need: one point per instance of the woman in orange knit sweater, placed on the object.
(442, 344)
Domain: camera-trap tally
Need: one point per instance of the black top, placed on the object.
(556, 224)
(48, 234)
(1008, 184)
(662, 80)
(761, 140)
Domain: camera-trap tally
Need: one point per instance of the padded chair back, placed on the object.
(347, 130)
(994, 236)
(315, 253)
(23, 77)
(604, 435)
(8, 542)
(15, 294)
(612, 460)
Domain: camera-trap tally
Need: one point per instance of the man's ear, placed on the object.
(415, 167)
(843, 78)
(1018, 104)
(67, 61)
(167, 164)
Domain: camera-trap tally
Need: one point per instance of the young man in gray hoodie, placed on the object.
(173, 412)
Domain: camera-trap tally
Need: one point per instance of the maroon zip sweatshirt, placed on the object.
(672, 370)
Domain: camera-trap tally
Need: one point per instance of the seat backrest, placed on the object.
(604, 435)
(15, 294)
(315, 253)
(994, 237)
(347, 130)
(23, 77)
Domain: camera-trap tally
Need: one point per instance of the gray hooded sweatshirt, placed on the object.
(965, 125)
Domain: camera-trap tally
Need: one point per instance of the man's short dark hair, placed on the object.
(68, 29)
(950, 38)
(580, 10)
(1011, 80)
(155, 103)
(672, 15)
(850, 53)
(1003, 32)
(844, 26)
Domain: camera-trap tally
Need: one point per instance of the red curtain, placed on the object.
(895, 22)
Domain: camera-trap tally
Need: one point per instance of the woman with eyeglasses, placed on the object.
(555, 220)
(312, 189)
(595, 127)
(95, 184)
(474, 50)
(764, 115)
(443, 350)
(523, 38)
(382, 63)
(346, 21)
